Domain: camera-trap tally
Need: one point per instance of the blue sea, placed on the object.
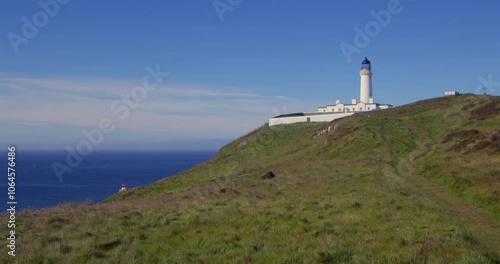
(98, 176)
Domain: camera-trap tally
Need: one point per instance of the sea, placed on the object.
(98, 176)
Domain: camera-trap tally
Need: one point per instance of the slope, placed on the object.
(410, 184)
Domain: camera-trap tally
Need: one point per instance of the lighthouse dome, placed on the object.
(366, 64)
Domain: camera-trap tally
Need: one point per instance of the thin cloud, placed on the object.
(36, 124)
(99, 87)
(217, 93)
(186, 109)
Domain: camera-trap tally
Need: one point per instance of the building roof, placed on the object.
(305, 114)
(289, 115)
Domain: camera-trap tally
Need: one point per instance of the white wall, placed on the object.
(287, 120)
(328, 117)
(341, 108)
(313, 118)
(384, 107)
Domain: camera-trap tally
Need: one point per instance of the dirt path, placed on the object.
(480, 222)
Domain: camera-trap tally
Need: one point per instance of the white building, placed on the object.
(339, 109)
(451, 93)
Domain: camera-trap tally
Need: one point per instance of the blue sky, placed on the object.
(226, 76)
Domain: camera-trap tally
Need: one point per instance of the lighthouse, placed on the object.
(339, 109)
(365, 90)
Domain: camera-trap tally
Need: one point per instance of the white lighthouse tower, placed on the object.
(339, 109)
(365, 89)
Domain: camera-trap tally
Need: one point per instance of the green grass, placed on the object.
(353, 194)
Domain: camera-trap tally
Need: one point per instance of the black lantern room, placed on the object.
(366, 64)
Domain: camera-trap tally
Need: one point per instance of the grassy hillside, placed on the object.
(414, 184)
